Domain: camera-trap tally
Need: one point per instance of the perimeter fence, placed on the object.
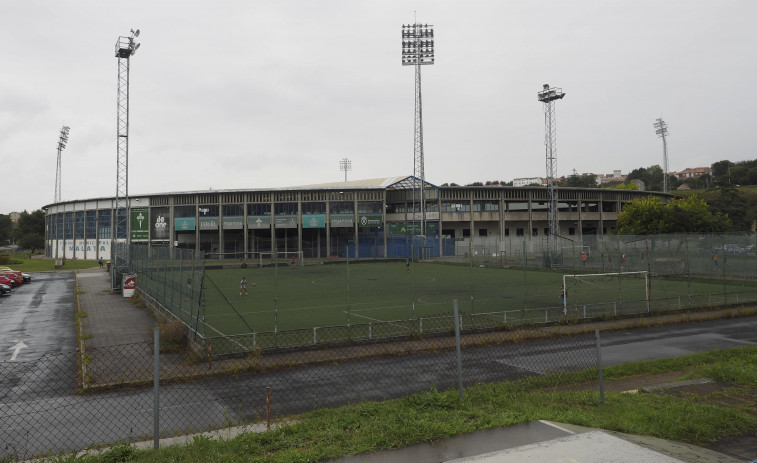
(320, 302)
(96, 397)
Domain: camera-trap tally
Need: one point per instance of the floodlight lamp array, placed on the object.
(126, 46)
(63, 137)
(661, 128)
(417, 44)
(550, 94)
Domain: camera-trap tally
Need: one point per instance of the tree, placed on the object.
(751, 176)
(727, 200)
(31, 230)
(6, 226)
(648, 216)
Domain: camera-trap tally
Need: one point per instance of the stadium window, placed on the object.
(369, 207)
(259, 209)
(184, 211)
(466, 232)
(448, 232)
(546, 231)
(104, 218)
(483, 232)
(534, 232)
(507, 232)
(571, 231)
(609, 206)
(286, 208)
(341, 207)
(232, 210)
(91, 225)
(313, 208)
(520, 232)
(79, 229)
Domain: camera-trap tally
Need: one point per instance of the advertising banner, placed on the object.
(342, 220)
(208, 223)
(233, 223)
(140, 228)
(432, 228)
(370, 220)
(159, 219)
(314, 221)
(258, 221)
(285, 221)
(184, 223)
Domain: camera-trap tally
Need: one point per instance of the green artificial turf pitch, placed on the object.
(286, 298)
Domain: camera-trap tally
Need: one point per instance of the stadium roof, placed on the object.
(388, 183)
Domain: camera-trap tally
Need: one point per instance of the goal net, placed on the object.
(291, 258)
(601, 289)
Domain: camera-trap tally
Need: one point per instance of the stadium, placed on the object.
(347, 261)
(358, 219)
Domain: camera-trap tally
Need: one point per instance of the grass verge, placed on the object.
(433, 415)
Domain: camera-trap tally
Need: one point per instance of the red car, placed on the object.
(14, 280)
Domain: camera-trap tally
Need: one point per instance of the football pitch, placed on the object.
(288, 298)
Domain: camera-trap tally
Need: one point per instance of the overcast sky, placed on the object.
(265, 94)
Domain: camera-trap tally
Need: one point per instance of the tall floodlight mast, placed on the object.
(418, 50)
(548, 96)
(345, 165)
(661, 129)
(125, 49)
(61, 146)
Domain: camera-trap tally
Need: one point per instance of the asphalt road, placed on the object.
(40, 413)
(40, 316)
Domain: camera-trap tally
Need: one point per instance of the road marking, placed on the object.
(19, 345)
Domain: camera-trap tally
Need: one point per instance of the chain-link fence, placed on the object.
(93, 397)
(172, 277)
(291, 300)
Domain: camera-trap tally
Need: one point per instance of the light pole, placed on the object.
(125, 49)
(61, 146)
(345, 165)
(661, 129)
(548, 96)
(418, 50)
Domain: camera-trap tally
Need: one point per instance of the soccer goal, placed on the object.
(605, 288)
(280, 258)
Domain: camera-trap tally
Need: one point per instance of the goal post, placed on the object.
(599, 288)
(281, 258)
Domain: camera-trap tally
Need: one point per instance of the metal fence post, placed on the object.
(459, 353)
(599, 364)
(156, 389)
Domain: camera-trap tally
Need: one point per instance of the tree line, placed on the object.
(28, 234)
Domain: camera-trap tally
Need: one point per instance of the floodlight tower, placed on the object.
(418, 50)
(548, 96)
(125, 49)
(345, 165)
(661, 129)
(61, 146)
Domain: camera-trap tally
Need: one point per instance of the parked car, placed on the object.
(13, 278)
(25, 277)
(18, 274)
(4, 289)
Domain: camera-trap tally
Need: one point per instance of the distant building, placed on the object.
(14, 216)
(692, 172)
(615, 176)
(528, 181)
